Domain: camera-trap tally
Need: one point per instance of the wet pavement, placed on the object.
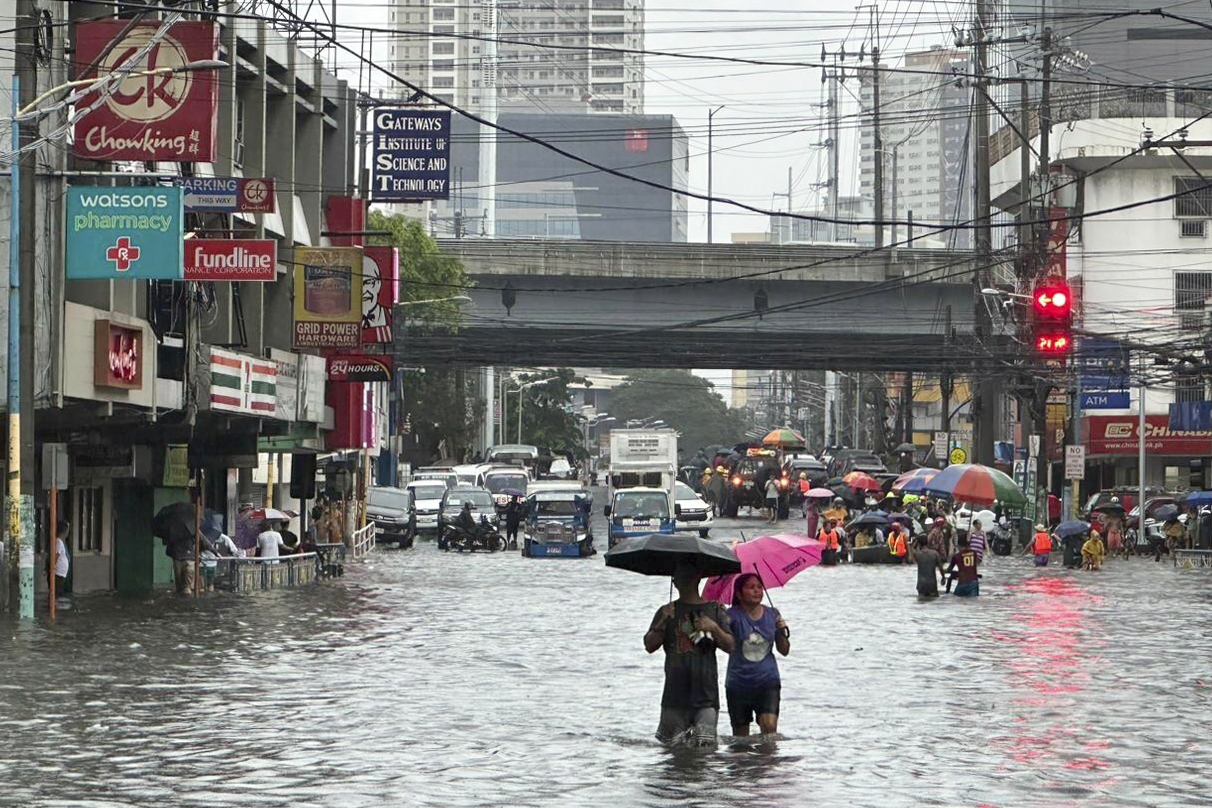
(432, 679)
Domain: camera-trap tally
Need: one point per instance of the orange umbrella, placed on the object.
(861, 481)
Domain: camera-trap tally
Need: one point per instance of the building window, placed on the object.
(443, 29)
(1191, 293)
(86, 513)
(443, 48)
(444, 14)
(443, 81)
(1194, 228)
(1195, 200)
(443, 64)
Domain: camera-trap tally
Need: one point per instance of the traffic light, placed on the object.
(1052, 319)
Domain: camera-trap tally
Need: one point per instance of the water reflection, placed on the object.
(426, 679)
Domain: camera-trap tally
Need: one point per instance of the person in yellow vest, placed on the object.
(830, 538)
(898, 541)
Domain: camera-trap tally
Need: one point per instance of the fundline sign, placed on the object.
(411, 155)
(223, 259)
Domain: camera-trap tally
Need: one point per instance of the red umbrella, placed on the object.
(861, 481)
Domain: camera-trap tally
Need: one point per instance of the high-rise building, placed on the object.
(538, 56)
(924, 125)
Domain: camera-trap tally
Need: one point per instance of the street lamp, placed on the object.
(519, 392)
(710, 115)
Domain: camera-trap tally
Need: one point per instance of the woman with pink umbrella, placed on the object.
(753, 686)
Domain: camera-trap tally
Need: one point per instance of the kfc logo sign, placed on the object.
(154, 108)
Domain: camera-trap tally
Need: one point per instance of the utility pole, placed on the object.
(876, 137)
(710, 114)
(834, 149)
(985, 391)
(20, 499)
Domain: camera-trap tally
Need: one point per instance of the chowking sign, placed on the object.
(157, 111)
(225, 259)
(328, 297)
(359, 368)
(124, 233)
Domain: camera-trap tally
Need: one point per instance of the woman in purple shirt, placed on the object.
(753, 686)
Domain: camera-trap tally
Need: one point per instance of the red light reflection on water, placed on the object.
(1048, 666)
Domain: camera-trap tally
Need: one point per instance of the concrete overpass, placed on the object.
(696, 305)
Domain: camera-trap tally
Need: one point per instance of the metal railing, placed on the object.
(249, 574)
(362, 541)
(1190, 559)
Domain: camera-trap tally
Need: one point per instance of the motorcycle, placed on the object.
(485, 537)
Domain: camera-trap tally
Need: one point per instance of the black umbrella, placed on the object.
(173, 518)
(869, 519)
(660, 553)
(1165, 513)
(905, 448)
(903, 518)
(1108, 507)
(1072, 527)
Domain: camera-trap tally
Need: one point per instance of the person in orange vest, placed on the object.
(1040, 546)
(804, 487)
(830, 537)
(897, 541)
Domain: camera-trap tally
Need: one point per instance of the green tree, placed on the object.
(547, 416)
(439, 403)
(684, 401)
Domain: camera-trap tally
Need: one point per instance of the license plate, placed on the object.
(555, 550)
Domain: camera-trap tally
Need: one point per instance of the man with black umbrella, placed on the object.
(689, 629)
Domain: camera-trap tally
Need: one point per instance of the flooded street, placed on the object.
(432, 679)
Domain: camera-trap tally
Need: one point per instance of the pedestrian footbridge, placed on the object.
(543, 302)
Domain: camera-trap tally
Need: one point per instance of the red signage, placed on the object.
(156, 111)
(1117, 435)
(226, 259)
(359, 368)
(117, 355)
(380, 282)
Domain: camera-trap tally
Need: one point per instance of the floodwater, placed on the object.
(428, 679)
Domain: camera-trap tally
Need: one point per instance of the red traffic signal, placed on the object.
(1053, 301)
(1053, 344)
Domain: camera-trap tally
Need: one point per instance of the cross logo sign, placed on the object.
(123, 254)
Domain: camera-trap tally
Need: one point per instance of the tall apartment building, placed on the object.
(459, 50)
(924, 126)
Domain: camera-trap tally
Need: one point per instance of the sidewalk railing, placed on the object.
(362, 541)
(1190, 559)
(249, 574)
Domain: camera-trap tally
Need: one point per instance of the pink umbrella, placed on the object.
(821, 493)
(776, 559)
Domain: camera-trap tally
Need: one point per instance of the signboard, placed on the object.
(411, 155)
(1056, 417)
(957, 456)
(1103, 364)
(359, 368)
(1020, 473)
(169, 116)
(176, 466)
(1118, 435)
(1030, 489)
(243, 384)
(229, 259)
(942, 443)
(55, 466)
(124, 233)
(117, 355)
(1075, 462)
(380, 288)
(1114, 400)
(227, 194)
(328, 313)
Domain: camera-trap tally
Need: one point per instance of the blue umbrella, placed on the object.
(1200, 498)
(1073, 527)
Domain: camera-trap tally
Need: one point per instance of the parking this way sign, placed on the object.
(124, 233)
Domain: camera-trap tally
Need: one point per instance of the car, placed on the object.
(426, 502)
(390, 509)
(452, 504)
(818, 475)
(446, 476)
(747, 482)
(558, 525)
(843, 461)
(691, 511)
(504, 479)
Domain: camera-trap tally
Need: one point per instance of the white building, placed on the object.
(924, 151)
(1140, 273)
(444, 47)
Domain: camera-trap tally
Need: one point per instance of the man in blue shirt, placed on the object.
(753, 686)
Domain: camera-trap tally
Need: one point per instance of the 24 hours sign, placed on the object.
(124, 233)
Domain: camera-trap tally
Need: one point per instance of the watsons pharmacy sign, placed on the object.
(124, 233)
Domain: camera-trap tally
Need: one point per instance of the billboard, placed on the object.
(227, 194)
(411, 155)
(359, 368)
(328, 311)
(1118, 435)
(231, 259)
(124, 233)
(157, 111)
(242, 383)
(380, 285)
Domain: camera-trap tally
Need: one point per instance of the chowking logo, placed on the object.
(1117, 430)
(148, 98)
